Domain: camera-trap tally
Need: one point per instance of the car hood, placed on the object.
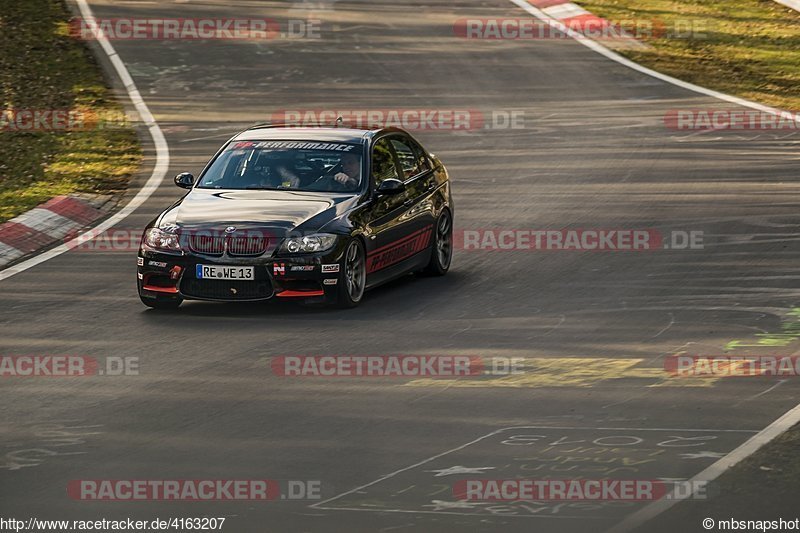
(280, 210)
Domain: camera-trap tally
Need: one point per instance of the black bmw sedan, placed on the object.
(319, 214)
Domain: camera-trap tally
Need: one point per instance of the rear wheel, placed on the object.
(354, 275)
(442, 246)
(165, 305)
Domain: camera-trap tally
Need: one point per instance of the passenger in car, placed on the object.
(286, 177)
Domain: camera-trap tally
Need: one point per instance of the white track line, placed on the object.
(794, 4)
(711, 473)
(780, 425)
(159, 170)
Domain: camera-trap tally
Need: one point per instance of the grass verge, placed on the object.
(43, 68)
(749, 48)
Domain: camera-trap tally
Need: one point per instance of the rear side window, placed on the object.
(383, 166)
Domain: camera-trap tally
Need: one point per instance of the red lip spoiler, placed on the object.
(299, 294)
(165, 290)
(168, 290)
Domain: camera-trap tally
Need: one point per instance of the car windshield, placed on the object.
(294, 165)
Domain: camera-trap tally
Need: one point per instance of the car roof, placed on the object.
(315, 133)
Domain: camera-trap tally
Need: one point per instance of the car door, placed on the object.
(395, 233)
(419, 180)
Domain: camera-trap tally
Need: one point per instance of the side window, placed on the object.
(422, 159)
(412, 158)
(383, 166)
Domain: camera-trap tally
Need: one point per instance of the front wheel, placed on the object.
(354, 275)
(442, 246)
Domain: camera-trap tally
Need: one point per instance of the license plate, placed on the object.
(226, 272)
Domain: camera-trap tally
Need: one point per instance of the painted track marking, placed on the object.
(321, 505)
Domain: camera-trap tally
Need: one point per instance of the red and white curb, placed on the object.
(45, 225)
(579, 19)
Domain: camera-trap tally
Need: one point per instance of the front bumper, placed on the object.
(312, 277)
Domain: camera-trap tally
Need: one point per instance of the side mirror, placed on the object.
(184, 180)
(391, 186)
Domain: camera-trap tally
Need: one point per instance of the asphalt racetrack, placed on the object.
(594, 328)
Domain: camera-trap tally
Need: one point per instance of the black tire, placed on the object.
(353, 279)
(442, 246)
(164, 305)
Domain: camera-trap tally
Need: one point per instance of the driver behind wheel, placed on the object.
(350, 176)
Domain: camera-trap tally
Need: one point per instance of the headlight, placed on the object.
(319, 242)
(161, 240)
